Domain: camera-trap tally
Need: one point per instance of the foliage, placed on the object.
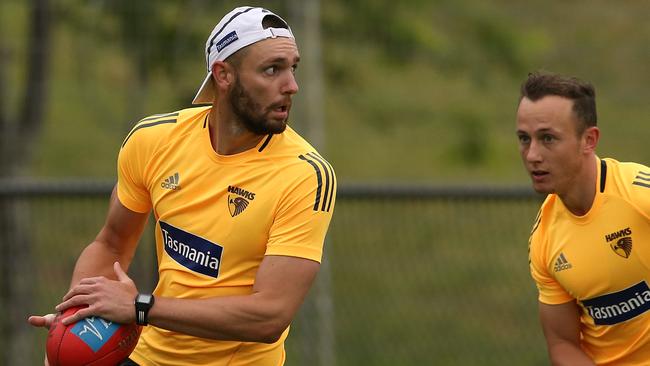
(431, 83)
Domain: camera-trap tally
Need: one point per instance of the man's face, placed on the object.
(264, 84)
(550, 147)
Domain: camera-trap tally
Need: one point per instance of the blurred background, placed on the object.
(412, 102)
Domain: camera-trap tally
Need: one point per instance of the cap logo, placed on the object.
(226, 40)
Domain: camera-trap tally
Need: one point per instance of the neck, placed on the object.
(227, 135)
(582, 193)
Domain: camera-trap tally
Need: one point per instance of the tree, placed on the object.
(18, 134)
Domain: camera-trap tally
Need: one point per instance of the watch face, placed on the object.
(144, 298)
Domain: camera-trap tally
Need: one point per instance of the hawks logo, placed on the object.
(239, 200)
(623, 247)
(621, 242)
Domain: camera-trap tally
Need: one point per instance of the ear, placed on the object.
(223, 74)
(590, 138)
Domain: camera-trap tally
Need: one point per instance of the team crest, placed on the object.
(238, 200)
(236, 205)
(622, 246)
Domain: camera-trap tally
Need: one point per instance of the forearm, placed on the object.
(248, 318)
(568, 354)
(97, 260)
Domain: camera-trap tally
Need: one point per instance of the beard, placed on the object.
(251, 114)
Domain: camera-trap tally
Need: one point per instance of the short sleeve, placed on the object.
(304, 215)
(550, 291)
(131, 188)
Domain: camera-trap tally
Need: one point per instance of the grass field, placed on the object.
(412, 282)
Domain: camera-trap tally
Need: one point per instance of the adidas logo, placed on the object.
(172, 182)
(561, 263)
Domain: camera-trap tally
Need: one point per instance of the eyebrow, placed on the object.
(281, 60)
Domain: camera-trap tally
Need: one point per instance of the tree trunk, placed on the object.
(18, 280)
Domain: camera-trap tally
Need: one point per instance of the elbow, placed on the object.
(271, 331)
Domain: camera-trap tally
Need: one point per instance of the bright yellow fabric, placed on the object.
(217, 217)
(582, 258)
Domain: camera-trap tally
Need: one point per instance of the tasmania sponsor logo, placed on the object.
(226, 40)
(190, 251)
(238, 200)
(619, 306)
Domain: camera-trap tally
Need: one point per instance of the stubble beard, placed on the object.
(251, 114)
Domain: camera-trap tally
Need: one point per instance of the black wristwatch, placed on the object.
(143, 303)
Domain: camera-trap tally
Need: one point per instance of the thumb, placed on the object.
(121, 275)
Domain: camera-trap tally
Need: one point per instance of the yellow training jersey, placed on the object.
(217, 217)
(602, 260)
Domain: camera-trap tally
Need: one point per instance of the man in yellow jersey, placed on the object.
(242, 204)
(590, 245)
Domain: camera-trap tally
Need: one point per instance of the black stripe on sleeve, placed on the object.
(266, 142)
(157, 116)
(320, 180)
(644, 173)
(145, 125)
(641, 184)
(329, 204)
(647, 179)
(327, 178)
(603, 175)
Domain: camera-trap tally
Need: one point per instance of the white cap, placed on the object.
(236, 30)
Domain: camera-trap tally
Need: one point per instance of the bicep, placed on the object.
(560, 322)
(122, 227)
(284, 282)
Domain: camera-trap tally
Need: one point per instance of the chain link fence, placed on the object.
(412, 275)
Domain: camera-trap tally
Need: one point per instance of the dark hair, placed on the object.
(540, 84)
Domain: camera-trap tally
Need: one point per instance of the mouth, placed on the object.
(538, 175)
(281, 110)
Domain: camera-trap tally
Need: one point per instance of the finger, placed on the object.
(42, 321)
(121, 275)
(37, 321)
(79, 315)
(79, 290)
(77, 300)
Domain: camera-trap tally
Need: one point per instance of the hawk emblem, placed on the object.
(236, 205)
(623, 246)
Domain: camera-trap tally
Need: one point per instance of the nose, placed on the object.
(290, 86)
(533, 153)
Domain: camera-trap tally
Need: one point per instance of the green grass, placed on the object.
(441, 282)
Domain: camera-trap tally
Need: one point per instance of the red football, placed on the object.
(90, 341)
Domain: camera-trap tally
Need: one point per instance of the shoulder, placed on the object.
(629, 180)
(542, 224)
(305, 172)
(292, 152)
(158, 128)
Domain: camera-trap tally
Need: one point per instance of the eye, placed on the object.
(523, 139)
(546, 138)
(294, 68)
(271, 70)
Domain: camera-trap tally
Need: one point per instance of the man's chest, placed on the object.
(606, 255)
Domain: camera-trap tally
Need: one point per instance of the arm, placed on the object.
(116, 241)
(281, 285)
(561, 326)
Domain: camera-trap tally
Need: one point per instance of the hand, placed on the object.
(108, 299)
(42, 321)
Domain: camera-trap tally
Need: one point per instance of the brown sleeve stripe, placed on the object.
(156, 120)
(322, 168)
(642, 179)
